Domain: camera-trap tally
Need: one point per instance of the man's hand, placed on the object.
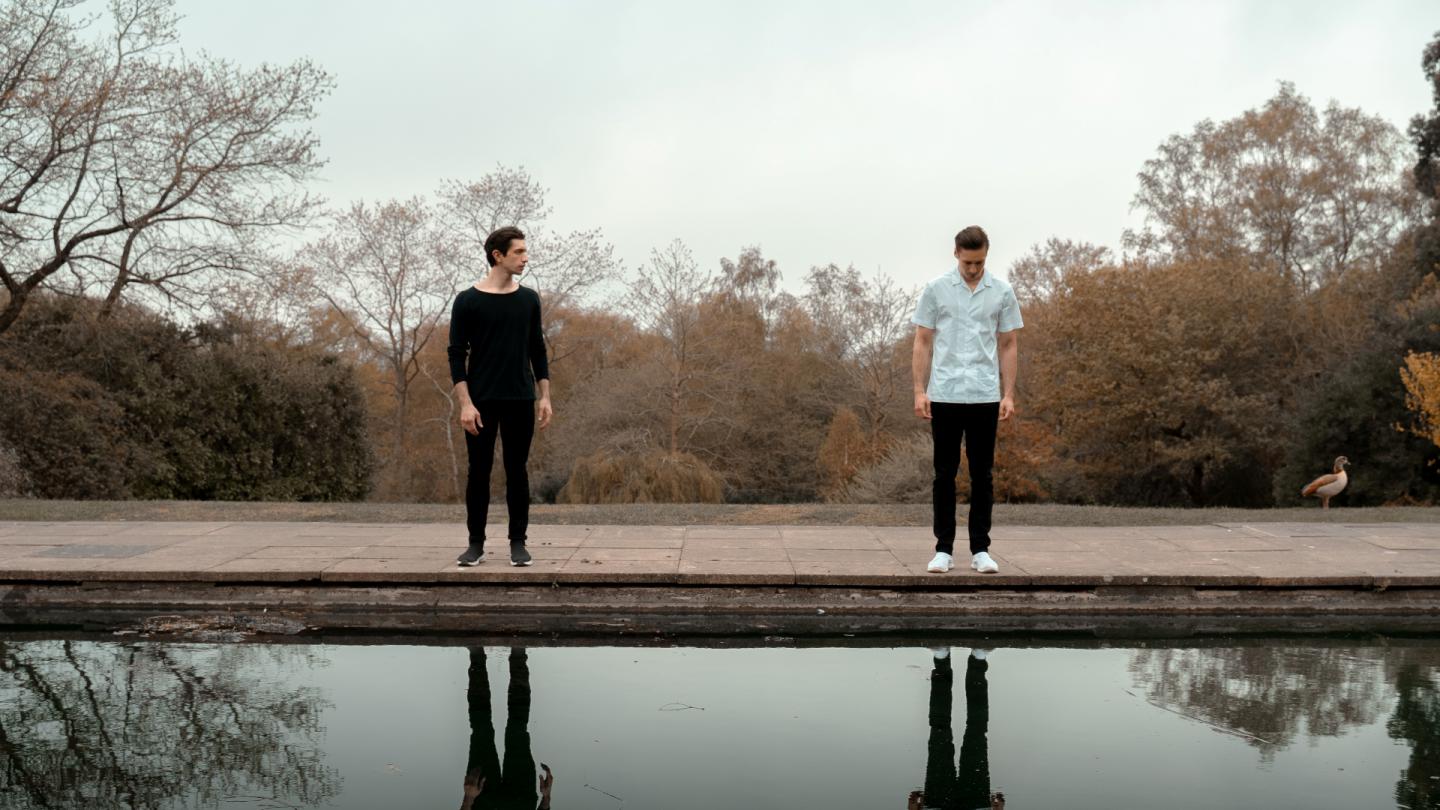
(470, 419)
(474, 783)
(547, 781)
(922, 405)
(1007, 408)
(545, 412)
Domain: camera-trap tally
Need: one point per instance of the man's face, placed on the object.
(513, 262)
(972, 263)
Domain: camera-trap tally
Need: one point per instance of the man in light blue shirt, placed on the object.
(966, 354)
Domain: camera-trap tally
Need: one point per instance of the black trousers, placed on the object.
(511, 783)
(968, 786)
(514, 421)
(975, 425)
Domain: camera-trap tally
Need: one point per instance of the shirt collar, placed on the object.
(956, 279)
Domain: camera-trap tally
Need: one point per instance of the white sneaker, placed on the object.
(941, 653)
(979, 653)
(981, 562)
(943, 562)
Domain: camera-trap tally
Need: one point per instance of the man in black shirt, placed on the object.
(496, 325)
(491, 782)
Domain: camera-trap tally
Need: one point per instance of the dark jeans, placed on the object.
(968, 786)
(514, 421)
(975, 425)
(511, 783)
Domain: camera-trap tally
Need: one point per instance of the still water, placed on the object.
(1262, 723)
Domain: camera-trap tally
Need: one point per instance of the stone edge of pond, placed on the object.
(614, 611)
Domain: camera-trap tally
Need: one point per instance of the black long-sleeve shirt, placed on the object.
(500, 334)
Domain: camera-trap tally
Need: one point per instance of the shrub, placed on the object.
(135, 407)
(907, 470)
(654, 477)
(903, 475)
(68, 434)
(14, 483)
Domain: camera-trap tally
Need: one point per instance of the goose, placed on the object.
(1328, 486)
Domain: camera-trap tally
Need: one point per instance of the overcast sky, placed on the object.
(846, 132)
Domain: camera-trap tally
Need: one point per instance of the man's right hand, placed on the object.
(922, 405)
(470, 419)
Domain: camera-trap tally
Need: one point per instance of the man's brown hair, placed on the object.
(972, 238)
(500, 240)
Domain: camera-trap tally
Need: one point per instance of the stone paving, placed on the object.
(1220, 555)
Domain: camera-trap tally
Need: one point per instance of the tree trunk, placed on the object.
(449, 423)
(454, 461)
(113, 297)
(402, 412)
(675, 419)
(1197, 485)
(121, 278)
(12, 307)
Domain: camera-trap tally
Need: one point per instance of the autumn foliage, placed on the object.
(1249, 331)
(1421, 375)
(654, 477)
(1276, 306)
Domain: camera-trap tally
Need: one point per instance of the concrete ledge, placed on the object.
(389, 572)
(369, 576)
(521, 608)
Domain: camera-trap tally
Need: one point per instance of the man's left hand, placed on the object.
(1007, 408)
(545, 412)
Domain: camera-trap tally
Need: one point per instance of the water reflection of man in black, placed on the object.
(488, 783)
(969, 787)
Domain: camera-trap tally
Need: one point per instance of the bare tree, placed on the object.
(666, 302)
(864, 320)
(384, 271)
(564, 267)
(127, 163)
(750, 284)
(447, 421)
(276, 302)
(160, 725)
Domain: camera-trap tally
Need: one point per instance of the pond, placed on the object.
(1312, 722)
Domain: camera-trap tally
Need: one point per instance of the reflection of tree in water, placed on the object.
(1416, 674)
(1269, 696)
(151, 725)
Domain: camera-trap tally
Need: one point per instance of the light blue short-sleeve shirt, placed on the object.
(965, 365)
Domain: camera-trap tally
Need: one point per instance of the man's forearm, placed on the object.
(544, 386)
(462, 393)
(920, 365)
(1009, 367)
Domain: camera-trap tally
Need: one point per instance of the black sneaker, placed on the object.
(474, 555)
(518, 554)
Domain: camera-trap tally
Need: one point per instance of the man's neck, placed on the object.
(497, 281)
(968, 283)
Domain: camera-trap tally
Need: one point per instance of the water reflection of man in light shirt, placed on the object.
(489, 783)
(968, 786)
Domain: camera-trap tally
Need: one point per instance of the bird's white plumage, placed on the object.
(1333, 488)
